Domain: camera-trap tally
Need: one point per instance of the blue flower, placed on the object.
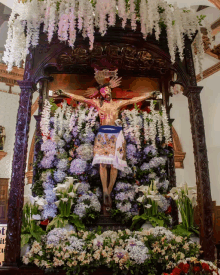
(78, 166)
(62, 164)
(59, 176)
(50, 211)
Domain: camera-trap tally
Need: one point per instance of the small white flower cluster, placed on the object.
(132, 129)
(154, 122)
(62, 16)
(45, 120)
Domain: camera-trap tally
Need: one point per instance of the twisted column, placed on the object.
(16, 196)
(202, 172)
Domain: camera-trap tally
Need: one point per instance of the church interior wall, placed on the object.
(210, 99)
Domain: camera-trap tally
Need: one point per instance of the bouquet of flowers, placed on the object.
(154, 206)
(186, 200)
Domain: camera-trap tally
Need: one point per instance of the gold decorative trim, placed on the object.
(29, 176)
(210, 71)
(179, 155)
(2, 154)
(34, 106)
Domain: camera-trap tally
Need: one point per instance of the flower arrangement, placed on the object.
(67, 17)
(153, 206)
(186, 200)
(67, 151)
(125, 251)
(194, 266)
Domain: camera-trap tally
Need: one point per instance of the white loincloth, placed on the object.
(110, 147)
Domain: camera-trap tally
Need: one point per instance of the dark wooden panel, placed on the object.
(3, 200)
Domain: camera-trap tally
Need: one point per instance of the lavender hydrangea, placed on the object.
(124, 207)
(49, 211)
(122, 186)
(47, 162)
(75, 131)
(56, 235)
(83, 188)
(78, 166)
(150, 149)
(75, 244)
(157, 161)
(49, 146)
(67, 137)
(131, 150)
(145, 166)
(89, 138)
(138, 252)
(59, 175)
(62, 164)
(50, 196)
(85, 151)
(80, 209)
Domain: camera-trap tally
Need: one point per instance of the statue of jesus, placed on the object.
(110, 145)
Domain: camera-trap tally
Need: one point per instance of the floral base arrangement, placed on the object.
(135, 252)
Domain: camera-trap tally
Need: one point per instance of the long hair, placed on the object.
(100, 96)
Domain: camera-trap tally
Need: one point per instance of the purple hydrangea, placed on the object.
(50, 196)
(83, 188)
(145, 166)
(48, 145)
(67, 137)
(47, 162)
(59, 176)
(89, 138)
(75, 131)
(150, 149)
(130, 153)
(80, 209)
(62, 164)
(78, 166)
(48, 185)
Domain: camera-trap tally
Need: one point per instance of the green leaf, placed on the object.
(25, 239)
(181, 230)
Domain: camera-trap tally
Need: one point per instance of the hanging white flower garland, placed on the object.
(60, 16)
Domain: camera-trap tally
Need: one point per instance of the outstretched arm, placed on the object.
(134, 100)
(81, 98)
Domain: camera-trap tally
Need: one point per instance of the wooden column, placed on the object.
(16, 197)
(202, 172)
(42, 96)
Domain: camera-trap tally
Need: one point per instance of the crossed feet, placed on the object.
(107, 200)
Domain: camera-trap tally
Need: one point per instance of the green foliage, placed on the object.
(30, 229)
(200, 18)
(54, 106)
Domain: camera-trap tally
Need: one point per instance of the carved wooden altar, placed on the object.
(134, 56)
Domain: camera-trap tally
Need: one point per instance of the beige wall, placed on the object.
(210, 98)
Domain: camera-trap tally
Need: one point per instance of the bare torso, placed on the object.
(108, 112)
